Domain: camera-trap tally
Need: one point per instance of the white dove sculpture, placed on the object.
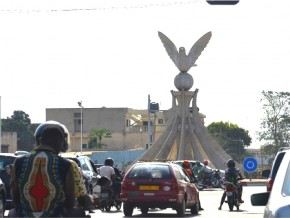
(182, 61)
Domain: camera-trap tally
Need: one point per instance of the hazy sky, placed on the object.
(108, 53)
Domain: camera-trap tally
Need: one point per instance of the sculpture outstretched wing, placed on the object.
(197, 48)
(170, 48)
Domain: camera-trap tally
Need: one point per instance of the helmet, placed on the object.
(109, 162)
(231, 163)
(205, 162)
(42, 129)
(197, 163)
(185, 164)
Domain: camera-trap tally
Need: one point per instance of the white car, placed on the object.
(277, 201)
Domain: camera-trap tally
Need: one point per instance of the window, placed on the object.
(77, 122)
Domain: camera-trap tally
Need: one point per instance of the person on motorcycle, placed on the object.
(108, 170)
(187, 168)
(197, 168)
(41, 181)
(114, 174)
(207, 171)
(232, 175)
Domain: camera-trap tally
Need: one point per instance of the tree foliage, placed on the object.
(232, 138)
(275, 124)
(96, 136)
(20, 123)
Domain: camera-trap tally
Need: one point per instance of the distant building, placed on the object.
(129, 126)
(8, 142)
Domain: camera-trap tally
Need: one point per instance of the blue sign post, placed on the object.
(250, 165)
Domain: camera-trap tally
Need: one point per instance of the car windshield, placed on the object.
(150, 172)
(6, 160)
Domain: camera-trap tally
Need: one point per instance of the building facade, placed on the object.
(8, 142)
(129, 127)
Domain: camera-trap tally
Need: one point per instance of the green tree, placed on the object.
(232, 138)
(96, 135)
(20, 122)
(275, 126)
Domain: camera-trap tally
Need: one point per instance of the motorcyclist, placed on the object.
(187, 168)
(114, 174)
(197, 168)
(207, 171)
(108, 170)
(232, 175)
(41, 181)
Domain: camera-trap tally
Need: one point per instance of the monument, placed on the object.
(185, 136)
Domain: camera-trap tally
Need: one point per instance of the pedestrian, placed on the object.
(42, 181)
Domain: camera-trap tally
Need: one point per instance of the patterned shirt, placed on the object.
(41, 184)
(79, 185)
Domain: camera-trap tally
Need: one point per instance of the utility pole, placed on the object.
(149, 123)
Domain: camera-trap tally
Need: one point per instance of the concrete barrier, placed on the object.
(253, 182)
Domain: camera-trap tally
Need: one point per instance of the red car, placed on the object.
(158, 185)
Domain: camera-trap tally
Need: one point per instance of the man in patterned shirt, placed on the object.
(41, 181)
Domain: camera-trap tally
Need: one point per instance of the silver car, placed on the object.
(277, 201)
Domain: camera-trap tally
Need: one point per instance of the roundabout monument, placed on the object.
(185, 136)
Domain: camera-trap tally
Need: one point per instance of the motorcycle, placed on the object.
(232, 196)
(107, 198)
(210, 180)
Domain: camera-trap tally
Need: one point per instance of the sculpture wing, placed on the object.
(197, 48)
(170, 48)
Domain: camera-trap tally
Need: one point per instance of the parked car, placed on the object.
(89, 171)
(158, 185)
(277, 201)
(271, 174)
(6, 162)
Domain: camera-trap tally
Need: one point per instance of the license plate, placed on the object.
(149, 187)
(229, 193)
(105, 195)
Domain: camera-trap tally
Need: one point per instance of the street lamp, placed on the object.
(81, 106)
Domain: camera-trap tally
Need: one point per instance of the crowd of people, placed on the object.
(41, 188)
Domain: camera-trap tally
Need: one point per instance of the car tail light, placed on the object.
(270, 183)
(174, 184)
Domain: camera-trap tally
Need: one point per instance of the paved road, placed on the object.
(210, 199)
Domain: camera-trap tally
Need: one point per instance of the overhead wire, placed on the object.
(143, 6)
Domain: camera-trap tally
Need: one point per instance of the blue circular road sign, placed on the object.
(250, 164)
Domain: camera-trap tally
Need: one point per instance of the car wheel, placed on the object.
(181, 208)
(144, 210)
(128, 209)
